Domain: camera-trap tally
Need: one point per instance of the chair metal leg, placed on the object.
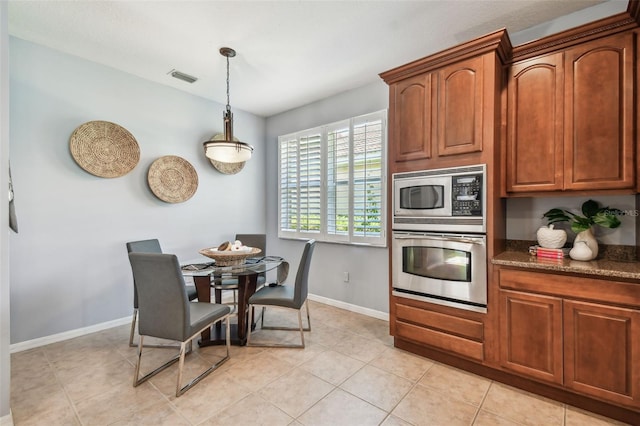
(277, 345)
(136, 378)
(183, 389)
(306, 302)
(133, 327)
(180, 358)
(133, 332)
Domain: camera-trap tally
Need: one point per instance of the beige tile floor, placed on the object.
(349, 374)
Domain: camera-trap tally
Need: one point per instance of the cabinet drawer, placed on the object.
(438, 339)
(461, 336)
(462, 327)
(579, 287)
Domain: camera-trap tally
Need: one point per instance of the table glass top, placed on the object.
(205, 266)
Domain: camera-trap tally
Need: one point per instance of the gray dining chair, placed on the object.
(165, 312)
(148, 246)
(286, 296)
(231, 283)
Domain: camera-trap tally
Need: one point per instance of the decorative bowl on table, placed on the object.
(228, 257)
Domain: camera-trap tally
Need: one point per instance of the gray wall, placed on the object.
(367, 266)
(5, 365)
(68, 264)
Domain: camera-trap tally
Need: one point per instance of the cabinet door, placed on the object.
(460, 112)
(602, 351)
(599, 123)
(531, 335)
(535, 113)
(413, 129)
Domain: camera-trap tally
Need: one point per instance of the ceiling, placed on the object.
(289, 53)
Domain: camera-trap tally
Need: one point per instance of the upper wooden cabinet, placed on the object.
(413, 124)
(461, 99)
(570, 122)
(447, 104)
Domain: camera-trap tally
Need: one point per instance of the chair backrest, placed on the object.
(302, 277)
(254, 240)
(142, 246)
(163, 305)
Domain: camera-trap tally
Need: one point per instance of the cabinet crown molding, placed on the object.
(497, 41)
(624, 21)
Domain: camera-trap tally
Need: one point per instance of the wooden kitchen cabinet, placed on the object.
(571, 121)
(601, 351)
(531, 334)
(438, 113)
(535, 127)
(460, 108)
(413, 124)
(445, 108)
(572, 331)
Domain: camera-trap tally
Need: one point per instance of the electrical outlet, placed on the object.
(345, 277)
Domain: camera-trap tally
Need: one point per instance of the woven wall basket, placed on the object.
(172, 179)
(104, 149)
(226, 168)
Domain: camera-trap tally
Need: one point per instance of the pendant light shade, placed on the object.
(229, 149)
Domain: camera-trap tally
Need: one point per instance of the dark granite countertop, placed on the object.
(599, 267)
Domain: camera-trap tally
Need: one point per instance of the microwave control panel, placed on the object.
(466, 195)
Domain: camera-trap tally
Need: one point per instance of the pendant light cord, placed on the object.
(228, 106)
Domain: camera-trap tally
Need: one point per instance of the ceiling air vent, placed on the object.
(182, 76)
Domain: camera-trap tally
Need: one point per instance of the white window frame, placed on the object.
(324, 233)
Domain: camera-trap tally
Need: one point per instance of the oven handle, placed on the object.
(452, 238)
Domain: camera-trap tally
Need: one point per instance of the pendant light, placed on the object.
(229, 149)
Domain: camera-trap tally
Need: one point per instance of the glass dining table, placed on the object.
(204, 270)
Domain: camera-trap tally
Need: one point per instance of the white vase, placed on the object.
(590, 240)
(581, 251)
(551, 238)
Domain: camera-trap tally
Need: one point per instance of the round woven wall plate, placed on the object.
(104, 149)
(172, 179)
(228, 168)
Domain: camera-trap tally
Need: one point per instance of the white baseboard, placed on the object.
(54, 338)
(349, 307)
(6, 420)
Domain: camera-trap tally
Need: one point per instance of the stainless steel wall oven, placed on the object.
(439, 252)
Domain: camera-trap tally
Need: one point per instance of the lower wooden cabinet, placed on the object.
(440, 328)
(531, 335)
(601, 347)
(588, 346)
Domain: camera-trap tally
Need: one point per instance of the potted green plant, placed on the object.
(592, 214)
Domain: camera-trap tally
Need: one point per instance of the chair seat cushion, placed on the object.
(281, 295)
(203, 313)
(224, 283)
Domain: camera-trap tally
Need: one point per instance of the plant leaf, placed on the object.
(606, 219)
(590, 208)
(578, 227)
(556, 215)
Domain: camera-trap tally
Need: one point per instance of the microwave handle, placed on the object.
(452, 238)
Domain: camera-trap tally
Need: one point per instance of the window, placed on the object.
(333, 183)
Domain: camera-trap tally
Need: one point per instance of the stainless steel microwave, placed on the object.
(451, 199)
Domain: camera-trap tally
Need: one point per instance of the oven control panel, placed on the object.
(466, 195)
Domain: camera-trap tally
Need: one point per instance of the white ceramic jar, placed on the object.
(551, 238)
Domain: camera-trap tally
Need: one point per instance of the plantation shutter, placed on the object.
(338, 171)
(310, 188)
(368, 182)
(332, 182)
(288, 192)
